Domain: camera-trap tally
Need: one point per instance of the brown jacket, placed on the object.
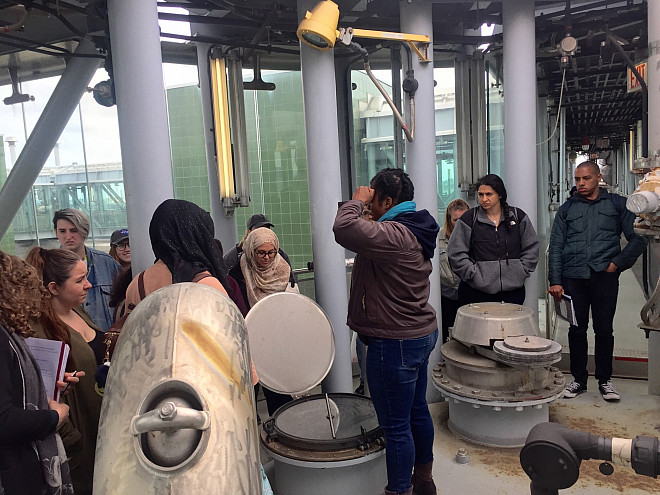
(390, 280)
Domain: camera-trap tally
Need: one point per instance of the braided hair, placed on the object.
(393, 183)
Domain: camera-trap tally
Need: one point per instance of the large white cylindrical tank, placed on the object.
(178, 415)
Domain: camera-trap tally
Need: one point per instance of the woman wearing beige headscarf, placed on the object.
(262, 271)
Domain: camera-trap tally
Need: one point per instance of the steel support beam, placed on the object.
(322, 136)
(142, 117)
(417, 18)
(520, 117)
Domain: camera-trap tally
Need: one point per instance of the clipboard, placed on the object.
(51, 355)
(565, 309)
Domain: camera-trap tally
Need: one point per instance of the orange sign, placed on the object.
(633, 83)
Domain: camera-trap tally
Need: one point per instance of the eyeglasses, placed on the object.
(263, 254)
(123, 246)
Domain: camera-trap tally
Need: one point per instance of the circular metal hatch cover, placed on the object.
(304, 423)
(291, 342)
(529, 343)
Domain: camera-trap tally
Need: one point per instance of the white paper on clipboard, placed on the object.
(51, 355)
(565, 309)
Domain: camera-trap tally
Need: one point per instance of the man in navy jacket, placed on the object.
(584, 261)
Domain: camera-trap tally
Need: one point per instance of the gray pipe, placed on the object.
(48, 129)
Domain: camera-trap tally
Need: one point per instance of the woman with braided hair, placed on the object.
(493, 248)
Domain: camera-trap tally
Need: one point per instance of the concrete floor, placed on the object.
(497, 471)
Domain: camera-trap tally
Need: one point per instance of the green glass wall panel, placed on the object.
(278, 164)
(189, 167)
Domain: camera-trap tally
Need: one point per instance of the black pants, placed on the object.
(467, 295)
(599, 293)
(449, 309)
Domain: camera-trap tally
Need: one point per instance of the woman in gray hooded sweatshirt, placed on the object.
(493, 248)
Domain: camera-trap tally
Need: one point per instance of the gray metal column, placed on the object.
(520, 118)
(321, 132)
(225, 228)
(57, 112)
(142, 117)
(416, 18)
(654, 148)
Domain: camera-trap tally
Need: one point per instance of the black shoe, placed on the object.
(360, 390)
(574, 389)
(608, 391)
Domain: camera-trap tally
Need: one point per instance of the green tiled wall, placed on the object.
(189, 172)
(278, 178)
(278, 163)
(7, 243)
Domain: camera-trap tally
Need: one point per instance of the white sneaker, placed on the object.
(608, 391)
(574, 389)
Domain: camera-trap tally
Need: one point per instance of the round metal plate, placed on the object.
(291, 342)
(306, 424)
(529, 343)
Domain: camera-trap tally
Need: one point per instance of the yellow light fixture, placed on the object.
(319, 30)
(222, 130)
(319, 27)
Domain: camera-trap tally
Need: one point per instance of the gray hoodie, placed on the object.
(493, 259)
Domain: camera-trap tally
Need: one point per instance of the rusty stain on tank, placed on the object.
(213, 352)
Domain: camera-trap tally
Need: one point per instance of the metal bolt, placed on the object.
(462, 456)
(167, 411)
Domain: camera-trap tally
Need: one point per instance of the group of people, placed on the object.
(486, 253)
(74, 294)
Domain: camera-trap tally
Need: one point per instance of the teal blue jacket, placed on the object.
(586, 235)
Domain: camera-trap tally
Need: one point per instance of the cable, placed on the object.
(561, 95)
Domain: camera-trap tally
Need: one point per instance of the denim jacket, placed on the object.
(101, 271)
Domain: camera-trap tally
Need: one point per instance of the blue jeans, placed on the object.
(396, 373)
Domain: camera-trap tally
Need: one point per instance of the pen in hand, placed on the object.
(66, 387)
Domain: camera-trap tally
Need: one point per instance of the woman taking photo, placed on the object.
(32, 457)
(262, 271)
(63, 274)
(448, 279)
(493, 248)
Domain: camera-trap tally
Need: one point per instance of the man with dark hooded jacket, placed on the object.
(389, 309)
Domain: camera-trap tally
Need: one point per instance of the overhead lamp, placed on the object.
(229, 121)
(222, 131)
(319, 30)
